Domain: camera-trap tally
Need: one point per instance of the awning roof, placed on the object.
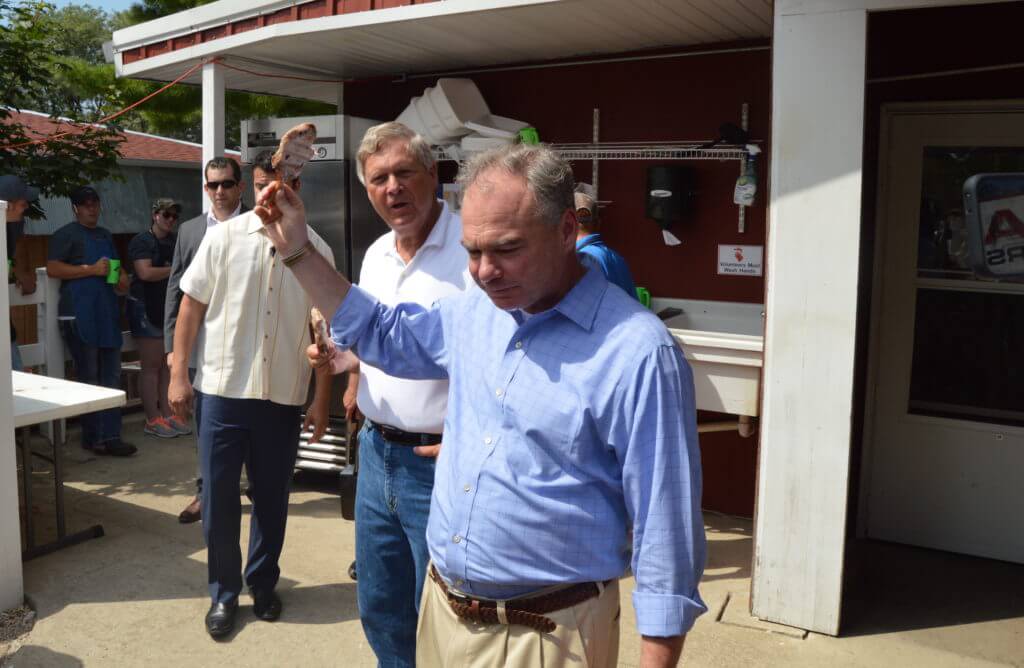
(275, 37)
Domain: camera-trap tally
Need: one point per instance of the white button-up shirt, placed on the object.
(257, 317)
(211, 218)
(439, 268)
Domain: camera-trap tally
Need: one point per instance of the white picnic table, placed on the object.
(39, 399)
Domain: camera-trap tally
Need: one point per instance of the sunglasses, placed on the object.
(169, 215)
(226, 184)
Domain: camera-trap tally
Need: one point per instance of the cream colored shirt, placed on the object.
(257, 316)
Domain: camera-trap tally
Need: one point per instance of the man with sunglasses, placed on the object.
(253, 378)
(224, 187)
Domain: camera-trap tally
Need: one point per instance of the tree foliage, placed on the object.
(147, 10)
(78, 31)
(57, 164)
(53, 62)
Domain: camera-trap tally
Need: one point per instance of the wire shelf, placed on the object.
(659, 151)
(625, 151)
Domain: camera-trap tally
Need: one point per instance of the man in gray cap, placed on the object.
(18, 195)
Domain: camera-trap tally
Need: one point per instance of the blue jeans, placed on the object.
(95, 366)
(392, 505)
(265, 437)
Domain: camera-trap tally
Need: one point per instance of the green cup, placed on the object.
(115, 270)
(644, 296)
(528, 135)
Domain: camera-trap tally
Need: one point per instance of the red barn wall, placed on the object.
(664, 99)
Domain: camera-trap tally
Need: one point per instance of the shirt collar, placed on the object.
(211, 219)
(254, 224)
(437, 235)
(581, 302)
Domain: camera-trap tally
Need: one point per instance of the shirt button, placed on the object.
(519, 344)
(457, 538)
(271, 289)
(487, 440)
(466, 488)
(268, 312)
(498, 392)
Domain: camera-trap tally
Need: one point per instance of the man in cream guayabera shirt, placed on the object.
(254, 377)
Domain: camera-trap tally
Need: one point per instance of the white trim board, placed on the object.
(12, 593)
(811, 314)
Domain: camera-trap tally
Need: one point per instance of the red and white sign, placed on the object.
(740, 260)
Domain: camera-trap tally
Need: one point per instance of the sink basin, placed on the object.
(724, 343)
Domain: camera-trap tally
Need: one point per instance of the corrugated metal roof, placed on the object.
(437, 36)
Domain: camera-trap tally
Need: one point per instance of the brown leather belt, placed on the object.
(528, 612)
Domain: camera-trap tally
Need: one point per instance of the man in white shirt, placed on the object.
(420, 260)
(253, 377)
(224, 186)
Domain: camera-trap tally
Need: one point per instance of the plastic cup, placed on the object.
(529, 135)
(644, 296)
(115, 270)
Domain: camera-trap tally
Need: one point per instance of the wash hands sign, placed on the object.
(740, 260)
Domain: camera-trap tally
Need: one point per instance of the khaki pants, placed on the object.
(587, 635)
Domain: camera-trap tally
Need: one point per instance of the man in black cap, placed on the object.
(18, 196)
(81, 255)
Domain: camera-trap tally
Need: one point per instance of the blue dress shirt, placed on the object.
(564, 430)
(594, 253)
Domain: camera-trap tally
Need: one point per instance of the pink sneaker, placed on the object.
(159, 427)
(179, 425)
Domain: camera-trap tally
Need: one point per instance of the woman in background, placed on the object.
(150, 253)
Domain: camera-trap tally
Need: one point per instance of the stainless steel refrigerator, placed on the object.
(338, 210)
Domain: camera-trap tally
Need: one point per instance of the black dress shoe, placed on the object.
(352, 570)
(115, 448)
(220, 620)
(266, 604)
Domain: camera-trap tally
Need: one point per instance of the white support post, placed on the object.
(811, 307)
(48, 331)
(213, 117)
(12, 592)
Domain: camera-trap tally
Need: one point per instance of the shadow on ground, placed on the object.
(146, 555)
(949, 601)
(41, 657)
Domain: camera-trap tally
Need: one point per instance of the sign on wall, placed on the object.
(740, 260)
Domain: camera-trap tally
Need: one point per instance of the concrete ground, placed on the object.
(137, 596)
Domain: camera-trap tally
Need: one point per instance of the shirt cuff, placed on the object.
(352, 317)
(666, 615)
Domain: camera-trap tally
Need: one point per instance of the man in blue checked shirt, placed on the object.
(570, 421)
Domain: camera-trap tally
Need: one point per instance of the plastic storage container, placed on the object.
(441, 113)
